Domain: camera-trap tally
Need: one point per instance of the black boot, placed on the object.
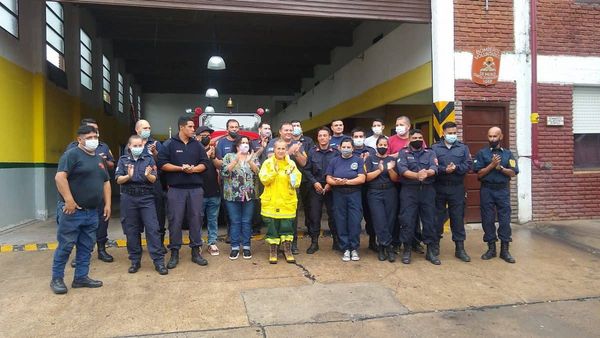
(436, 248)
(161, 268)
(197, 257)
(103, 255)
(135, 266)
(58, 286)
(431, 256)
(391, 253)
(460, 253)
(504, 254)
(295, 250)
(314, 246)
(373, 244)
(174, 260)
(382, 253)
(406, 253)
(491, 252)
(85, 282)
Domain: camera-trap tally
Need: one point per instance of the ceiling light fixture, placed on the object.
(215, 63)
(212, 93)
(209, 109)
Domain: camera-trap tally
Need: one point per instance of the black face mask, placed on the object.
(382, 150)
(417, 144)
(205, 140)
(233, 134)
(494, 144)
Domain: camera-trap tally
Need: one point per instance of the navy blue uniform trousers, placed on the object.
(188, 203)
(452, 195)
(495, 200)
(348, 213)
(383, 204)
(417, 201)
(139, 214)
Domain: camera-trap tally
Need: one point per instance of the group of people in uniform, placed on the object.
(396, 184)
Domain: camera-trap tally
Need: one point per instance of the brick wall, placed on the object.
(474, 27)
(568, 28)
(561, 193)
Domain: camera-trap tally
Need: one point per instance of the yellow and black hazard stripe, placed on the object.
(443, 111)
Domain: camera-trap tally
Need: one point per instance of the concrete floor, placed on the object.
(552, 290)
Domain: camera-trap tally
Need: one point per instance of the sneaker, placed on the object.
(234, 254)
(355, 256)
(213, 250)
(247, 254)
(346, 257)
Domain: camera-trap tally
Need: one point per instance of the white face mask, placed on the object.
(359, 142)
(401, 130)
(136, 151)
(244, 148)
(377, 130)
(91, 145)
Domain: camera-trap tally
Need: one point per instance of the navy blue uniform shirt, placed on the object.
(86, 175)
(458, 154)
(317, 163)
(224, 147)
(103, 150)
(348, 168)
(415, 160)
(484, 158)
(336, 140)
(372, 164)
(177, 153)
(139, 169)
(150, 141)
(364, 149)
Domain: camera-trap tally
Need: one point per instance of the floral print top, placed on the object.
(239, 185)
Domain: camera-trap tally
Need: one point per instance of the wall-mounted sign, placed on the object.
(486, 66)
(555, 121)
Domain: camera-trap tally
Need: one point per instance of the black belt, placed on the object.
(449, 183)
(495, 186)
(381, 186)
(347, 190)
(137, 191)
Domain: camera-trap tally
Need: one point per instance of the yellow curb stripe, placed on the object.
(31, 247)
(52, 246)
(6, 248)
(121, 243)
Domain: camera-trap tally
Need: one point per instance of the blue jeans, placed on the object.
(78, 229)
(240, 219)
(211, 212)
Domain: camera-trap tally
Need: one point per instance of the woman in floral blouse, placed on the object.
(239, 173)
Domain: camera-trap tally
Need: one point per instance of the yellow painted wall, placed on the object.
(38, 119)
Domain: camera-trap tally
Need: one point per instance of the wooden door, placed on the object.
(424, 126)
(478, 117)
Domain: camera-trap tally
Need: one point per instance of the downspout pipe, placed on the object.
(534, 85)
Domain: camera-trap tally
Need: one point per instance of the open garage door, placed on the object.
(416, 11)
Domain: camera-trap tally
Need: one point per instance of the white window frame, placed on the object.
(139, 106)
(106, 84)
(121, 93)
(85, 59)
(9, 16)
(55, 54)
(586, 121)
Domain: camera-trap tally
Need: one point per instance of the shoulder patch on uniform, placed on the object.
(354, 165)
(512, 162)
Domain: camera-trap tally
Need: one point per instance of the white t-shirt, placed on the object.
(371, 141)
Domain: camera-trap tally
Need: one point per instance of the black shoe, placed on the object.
(406, 254)
(103, 255)
(174, 260)
(505, 254)
(381, 253)
(246, 254)
(314, 247)
(390, 253)
(73, 263)
(491, 252)
(373, 244)
(135, 266)
(418, 248)
(460, 252)
(234, 254)
(161, 269)
(86, 282)
(58, 286)
(197, 257)
(295, 250)
(436, 249)
(431, 256)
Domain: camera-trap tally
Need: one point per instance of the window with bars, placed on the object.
(9, 16)
(55, 34)
(131, 104)
(105, 79)
(85, 52)
(139, 107)
(586, 127)
(121, 93)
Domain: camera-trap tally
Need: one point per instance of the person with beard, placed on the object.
(415, 169)
(495, 166)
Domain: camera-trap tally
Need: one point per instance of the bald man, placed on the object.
(151, 147)
(495, 167)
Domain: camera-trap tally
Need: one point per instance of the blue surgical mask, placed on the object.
(450, 138)
(297, 131)
(136, 151)
(346, 152)
(145, 134)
